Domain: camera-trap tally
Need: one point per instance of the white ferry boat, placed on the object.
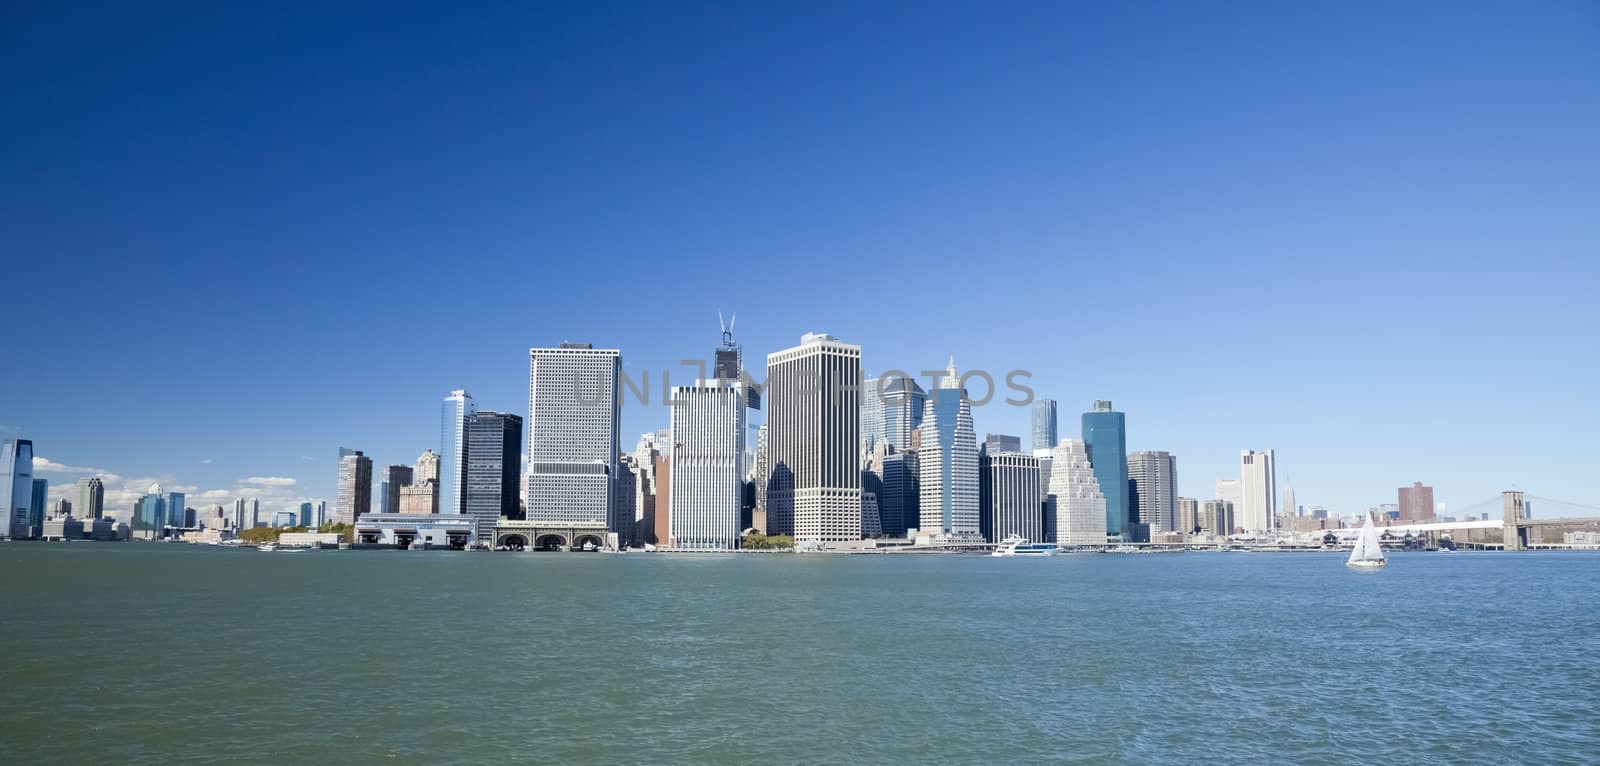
(1016, 545)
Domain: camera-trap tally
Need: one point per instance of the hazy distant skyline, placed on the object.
(1360, 235)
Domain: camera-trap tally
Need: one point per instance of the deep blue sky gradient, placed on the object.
(1364, 234)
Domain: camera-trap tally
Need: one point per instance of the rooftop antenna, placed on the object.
(727, 327)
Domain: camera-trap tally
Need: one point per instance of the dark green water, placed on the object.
(148, 653)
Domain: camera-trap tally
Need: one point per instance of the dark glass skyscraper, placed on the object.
(493, 457)
(1105, 434)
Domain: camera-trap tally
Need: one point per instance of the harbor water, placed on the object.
(161, 653)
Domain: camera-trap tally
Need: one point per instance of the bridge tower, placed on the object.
(1516, 509)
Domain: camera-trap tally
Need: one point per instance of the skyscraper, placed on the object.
(949, 461)
(1216, 517)
(457, 407)
(427, 468)
(1258, 492)
(1080, 506)
(814, 443)
(998, 443)
(426, 485)
(394, 478)
(899, 504)
(1105, 435)
(1009, 496)
(39, 497)
(152, 514)
(494, 455)
(1188, 515)
(16, 485)
(1044, 424)
(707, 465)
(91, 498)
(1228, 489)
(175, 506)
(252, 507)
(871, 414)
(1289, 507)
(760, 470)
(1153, 490)
(1416, 502)
(573, 444)
(903, 402)
(355, 486)
(645, 454)
(305, 514)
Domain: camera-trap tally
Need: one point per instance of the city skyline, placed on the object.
(1408, 244)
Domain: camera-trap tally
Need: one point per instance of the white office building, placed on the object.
(1079, 504)
(573, 445)
(948, 454)
(707, 486)
(814, 445)
(457, 407)
(1257, 508)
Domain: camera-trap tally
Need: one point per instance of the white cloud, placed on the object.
(308, 458)
(46, 465)
(206, 461)
(268, 481)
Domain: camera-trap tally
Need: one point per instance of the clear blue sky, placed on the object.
(1363, 234)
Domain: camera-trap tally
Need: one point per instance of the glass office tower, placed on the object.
(1105, 434)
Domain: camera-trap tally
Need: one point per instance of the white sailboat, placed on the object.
(1367, 553)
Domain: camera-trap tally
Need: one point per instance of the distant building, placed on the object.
(1153, 490)
(1258, 489)
(948, 457)
(40, 496)
(1105, 436)
(871, 414)
(1416, 502)
(283, 519)
(395, 477)
(421, 499)
(1216, 517)
(1009, 497)
(813, 440)
(903, 402)
(355, 486)
(900, 501)
(708, 428)
(1228, 489)
(871, 523)
(573, 443)
(427, 467)
(998, 443)
(493, 454)
(152, 512)
(1289, 507)
(61, 507)
(1188, 520)
(646, 454)
(306, 512)
(457, 407)
(91, 498)
(659, 531)
(1080, 506)
(760, 471)
(175, 510)
(16, 486)
(1044, 424)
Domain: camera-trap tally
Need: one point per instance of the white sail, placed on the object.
(1367, 548)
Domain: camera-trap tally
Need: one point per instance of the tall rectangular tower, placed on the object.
(573, 444)
(494, 466)
(457, 407)
(1044, 424)
(1105, 435)
(355, 489)
(1010, 496)
(814, 421)
(1153, 484)
(16, 486)
(1258, 491)
(707, 465)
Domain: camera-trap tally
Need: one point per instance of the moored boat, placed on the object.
(1017, 545)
